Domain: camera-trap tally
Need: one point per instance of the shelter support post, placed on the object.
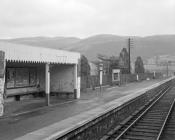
(76, 83)
(47, 84)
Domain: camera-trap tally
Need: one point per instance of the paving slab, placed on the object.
(20, 125)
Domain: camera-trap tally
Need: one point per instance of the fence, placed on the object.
(127, 78)
(93, 81)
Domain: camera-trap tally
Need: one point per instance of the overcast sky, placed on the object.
(83, 18)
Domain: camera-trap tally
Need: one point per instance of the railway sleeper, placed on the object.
(168, 137)
(171, 123)
(146, 124)
(144, 134)
(153, 118)
(150, 130)
(156, 113)
(139, 138)
(159, 111)
(146, 127)
(151, 122)
(161, 114)
(171, 131)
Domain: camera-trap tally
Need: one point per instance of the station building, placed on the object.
(27, 69)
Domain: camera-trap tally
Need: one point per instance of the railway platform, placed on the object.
(68, 114)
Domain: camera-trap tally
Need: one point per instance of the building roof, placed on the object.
(25, 53)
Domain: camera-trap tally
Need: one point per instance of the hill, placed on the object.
(49, 42)
(106, 44)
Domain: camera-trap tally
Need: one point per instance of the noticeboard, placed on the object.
(21, 77)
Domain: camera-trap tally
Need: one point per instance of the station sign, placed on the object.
(101, 73)
(116, 75)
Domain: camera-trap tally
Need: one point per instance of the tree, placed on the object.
(85, 68)
(85, 72)
(124, 61)
(139, 67)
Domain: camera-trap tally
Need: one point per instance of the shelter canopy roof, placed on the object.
(26, 53)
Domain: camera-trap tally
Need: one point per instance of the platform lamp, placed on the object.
(101, 74)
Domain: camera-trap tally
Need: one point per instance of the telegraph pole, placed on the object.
(167, 69)
(129, 48)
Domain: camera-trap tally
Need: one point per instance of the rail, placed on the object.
(166, 119)
(141, 115)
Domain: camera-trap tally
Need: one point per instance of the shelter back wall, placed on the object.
(62, 78)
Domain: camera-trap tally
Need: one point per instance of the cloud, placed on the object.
(43, 12)
(85, 17)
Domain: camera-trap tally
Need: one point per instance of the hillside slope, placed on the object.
(106, 44)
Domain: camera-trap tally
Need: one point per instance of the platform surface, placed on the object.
(17, 126)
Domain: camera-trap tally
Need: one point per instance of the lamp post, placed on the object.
(101, 74)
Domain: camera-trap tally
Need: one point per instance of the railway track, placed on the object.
(169, 131)
(152, 122)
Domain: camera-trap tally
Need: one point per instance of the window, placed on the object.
(21, 77)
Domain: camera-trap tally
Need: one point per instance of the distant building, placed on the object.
(164, 64)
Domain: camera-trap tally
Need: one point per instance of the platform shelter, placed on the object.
(27, 69)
